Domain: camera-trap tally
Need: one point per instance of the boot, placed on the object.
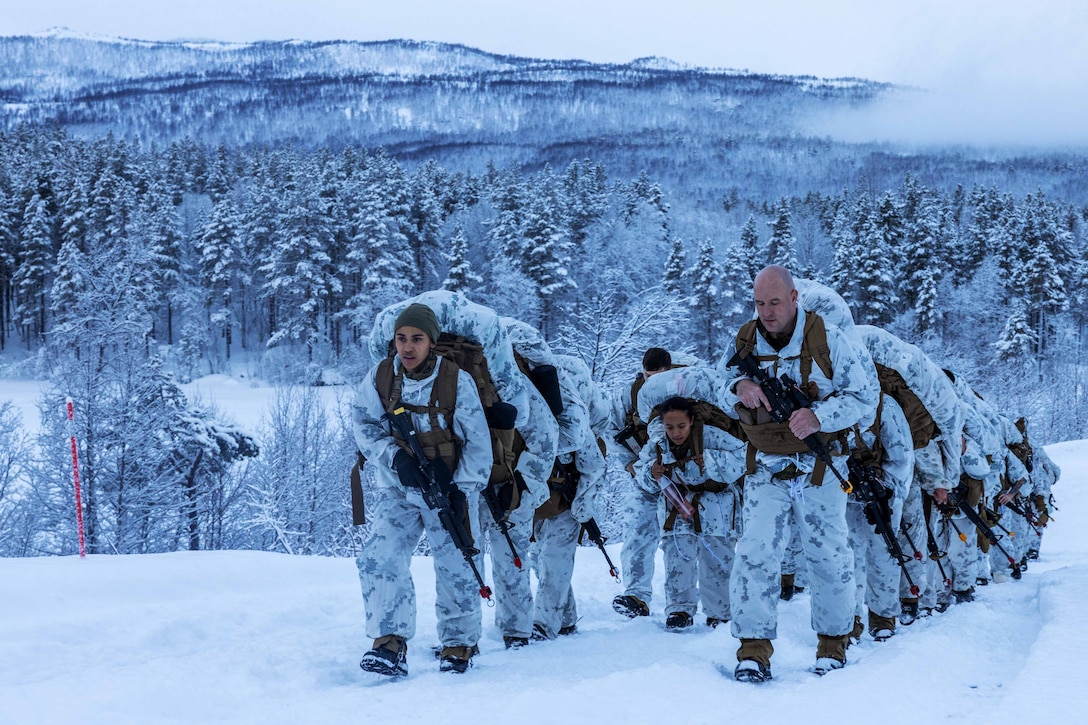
(513, 642)
(881, 628)
(713, 622)
(788, 590)
(909, 612)
(630, 606)
(457, 659)
(830, 653)
(855, 633)
(388, 657)
(678, 620)
(752, 671)
(569, 629)
(754, 660)
(967, 595)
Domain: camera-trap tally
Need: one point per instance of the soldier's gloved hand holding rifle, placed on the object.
(785, 401)
(435, 482)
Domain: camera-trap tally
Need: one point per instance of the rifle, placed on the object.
(438, 494)
(983, 528)
(785, 396)
(593, 531)
(1028, 516)
(935, 552)
(869, 487)
(498, 513)
(626, 438)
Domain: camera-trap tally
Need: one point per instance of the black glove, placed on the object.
(408, 470)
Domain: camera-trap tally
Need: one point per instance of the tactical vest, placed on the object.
(761, 430)
(692, 452)
(440, 441)
(563, 487)
(923, 428)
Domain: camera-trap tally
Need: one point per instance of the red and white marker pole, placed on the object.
(75, 476)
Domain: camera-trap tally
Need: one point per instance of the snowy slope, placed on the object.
(244, 637)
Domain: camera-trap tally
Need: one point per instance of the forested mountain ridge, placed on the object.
(453, 104)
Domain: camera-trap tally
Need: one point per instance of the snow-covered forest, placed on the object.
(133, 262)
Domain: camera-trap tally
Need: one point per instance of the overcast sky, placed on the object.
(1002, 69)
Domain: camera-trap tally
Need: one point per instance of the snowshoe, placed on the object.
(539, 633)
(1032, 555)
(981, 581)
(569, 629)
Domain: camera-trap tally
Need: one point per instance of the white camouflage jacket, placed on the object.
(372, 434)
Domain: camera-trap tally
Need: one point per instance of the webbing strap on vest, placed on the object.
(439, 441)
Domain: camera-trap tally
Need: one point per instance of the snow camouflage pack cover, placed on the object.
(929, 382)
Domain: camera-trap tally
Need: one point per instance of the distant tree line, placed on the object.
(124, 269)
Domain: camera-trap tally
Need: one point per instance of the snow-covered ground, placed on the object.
(248, 637)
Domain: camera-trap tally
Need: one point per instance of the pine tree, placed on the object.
(781, 248)
(876, 302)
(675, 267)
(705, 299)
(1017, 340)
(750, 247)
(546, 251)
(460, 278)
(35, 264)
(923, 264)
(299, 274)
(217, 247)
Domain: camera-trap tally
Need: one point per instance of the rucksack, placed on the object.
(923, 428)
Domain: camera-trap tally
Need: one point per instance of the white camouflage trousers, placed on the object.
(513, 586)
(399, 518)
(553, 559)
(876, 572)
(641, 536)
(755, 586)
(697, 569)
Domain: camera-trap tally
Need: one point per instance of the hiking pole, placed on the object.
(437, 495)
(593, 531)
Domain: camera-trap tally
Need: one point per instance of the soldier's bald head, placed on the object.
(778, 274)
(776, 298)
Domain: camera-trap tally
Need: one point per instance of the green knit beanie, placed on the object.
(421, 316)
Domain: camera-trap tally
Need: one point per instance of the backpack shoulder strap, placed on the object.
(746, 338)
(814, 347)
